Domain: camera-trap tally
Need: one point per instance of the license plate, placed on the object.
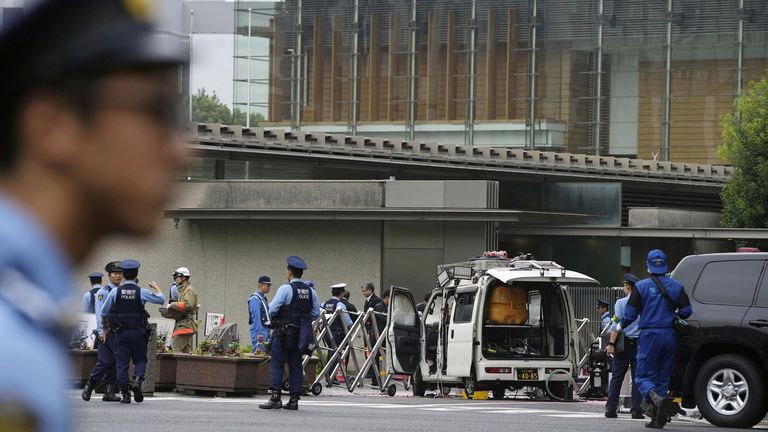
(528, 374)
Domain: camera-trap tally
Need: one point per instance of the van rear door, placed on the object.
(461, 334)
(403, 332)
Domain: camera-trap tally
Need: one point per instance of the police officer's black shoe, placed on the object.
(293, 402)
(109, 394)
(87, 390)
(274, 402)
(138, 395)
(126, 392)
(654, 424)
(638, 415)
(611, 414)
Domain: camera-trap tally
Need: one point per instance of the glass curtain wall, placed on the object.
(612, 77)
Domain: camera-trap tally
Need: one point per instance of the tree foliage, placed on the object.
(745, 146)
(208, 108)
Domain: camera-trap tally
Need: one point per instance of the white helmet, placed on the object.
(182, 271)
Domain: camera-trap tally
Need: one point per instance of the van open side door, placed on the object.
(403, 332)
(461, 332)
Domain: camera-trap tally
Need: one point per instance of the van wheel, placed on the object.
(470, 384)
(729, 392)
(417, 384)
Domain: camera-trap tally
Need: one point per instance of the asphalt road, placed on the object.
(338, 411)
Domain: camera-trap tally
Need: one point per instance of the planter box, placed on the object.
(165, 372)
(227, 376)
(83, 362)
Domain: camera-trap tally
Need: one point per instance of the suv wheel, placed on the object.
(729, 392)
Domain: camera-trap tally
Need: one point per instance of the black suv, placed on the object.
(722, 364)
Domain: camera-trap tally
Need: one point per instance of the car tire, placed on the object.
(417, 384)
(470, 385)
(498, 392)
(729, 392)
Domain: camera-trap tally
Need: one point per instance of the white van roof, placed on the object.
(550, 274)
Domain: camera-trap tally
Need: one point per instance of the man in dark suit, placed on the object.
(371, 300)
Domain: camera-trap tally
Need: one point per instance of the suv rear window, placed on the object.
(728, 282)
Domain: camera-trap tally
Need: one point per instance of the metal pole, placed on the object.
(296, 69)
(469, 122)
(599, 90)
(740, 51)
(191, 36)
(410, 124)
(248, 84)
(667, 86)
(532, 81)
(352, 126)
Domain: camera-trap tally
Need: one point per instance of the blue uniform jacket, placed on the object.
(620, 309)
(646, 300)
(146, 296)
(35, 370)
(258, 317)
(86, 302)
(285, 295)
(101, 297)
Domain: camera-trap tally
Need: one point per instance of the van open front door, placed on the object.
(403, 333)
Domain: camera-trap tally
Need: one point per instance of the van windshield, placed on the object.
(524, 320)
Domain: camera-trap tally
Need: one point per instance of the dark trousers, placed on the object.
(105, 361)
(621, 363)
(130, 345)
(286, 350)
(655, 360)
(337, 337)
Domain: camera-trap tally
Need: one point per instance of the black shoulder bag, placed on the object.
(681, 327)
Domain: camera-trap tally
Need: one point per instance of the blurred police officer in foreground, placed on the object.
(258, 314)
(651, 300)
(89, 298)
(105, 368)
(294, 307)
(83, 82)
(184, 308)
(127, 317)
(626, 358)
(337, 332)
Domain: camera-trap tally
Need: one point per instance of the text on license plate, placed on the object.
(527, 374)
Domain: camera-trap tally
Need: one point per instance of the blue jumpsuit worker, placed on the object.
(105, 368)
(80, 71)
(258, 315)
(127, 316)
(658, 341)
(626, 359)
(336, 302)
(293, 304)
(89, 298)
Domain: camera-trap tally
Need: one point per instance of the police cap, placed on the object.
(631, 279)
(603, 303)
(96, 275)
(296, 262)
(61, 38)
(113, 267)
(130, 264)
(265, 280)
(338, 288)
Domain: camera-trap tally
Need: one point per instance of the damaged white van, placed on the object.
(492, 324)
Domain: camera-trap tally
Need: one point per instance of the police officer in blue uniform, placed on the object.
(605, 315)
(625, 359)
(258, 314)
(82, 82)
(105, 368)
(658, 341)
(336, 302)
(127, 317)
(294, 307)
(89, 298)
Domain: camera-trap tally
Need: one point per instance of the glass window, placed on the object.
(762, 296)
(728, 282)
(404, 312)
(465, 305)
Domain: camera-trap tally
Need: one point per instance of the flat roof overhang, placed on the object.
(379, 214)
(596, 231)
